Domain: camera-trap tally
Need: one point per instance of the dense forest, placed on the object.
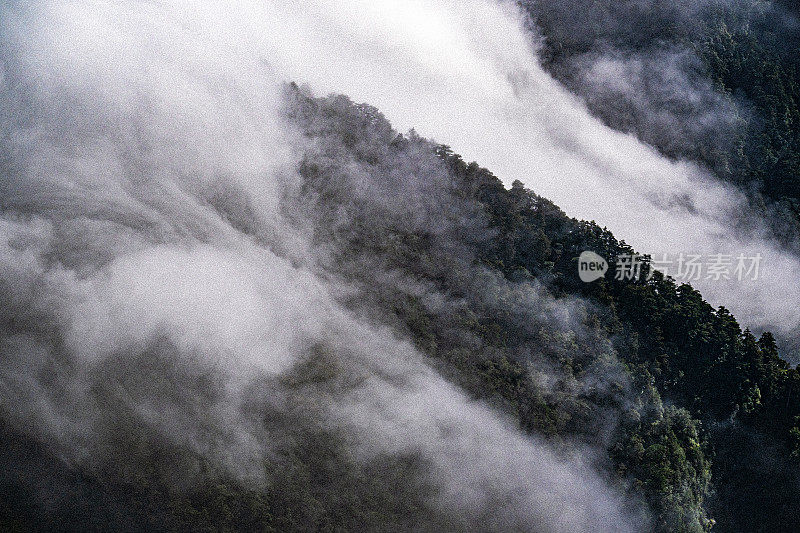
(697, 421)
(730, 413)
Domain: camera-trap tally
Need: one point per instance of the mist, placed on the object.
(469, 78)
(156, 281)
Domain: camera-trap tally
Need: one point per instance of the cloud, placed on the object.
(485, 95)
(158, 286)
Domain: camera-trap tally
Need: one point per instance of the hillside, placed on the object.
(667, 398)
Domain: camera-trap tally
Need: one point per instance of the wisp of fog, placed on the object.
(467, 75)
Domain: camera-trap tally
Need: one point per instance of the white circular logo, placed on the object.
(591, 267)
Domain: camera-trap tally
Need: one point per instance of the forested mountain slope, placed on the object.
(665, 398)
(659, 340)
